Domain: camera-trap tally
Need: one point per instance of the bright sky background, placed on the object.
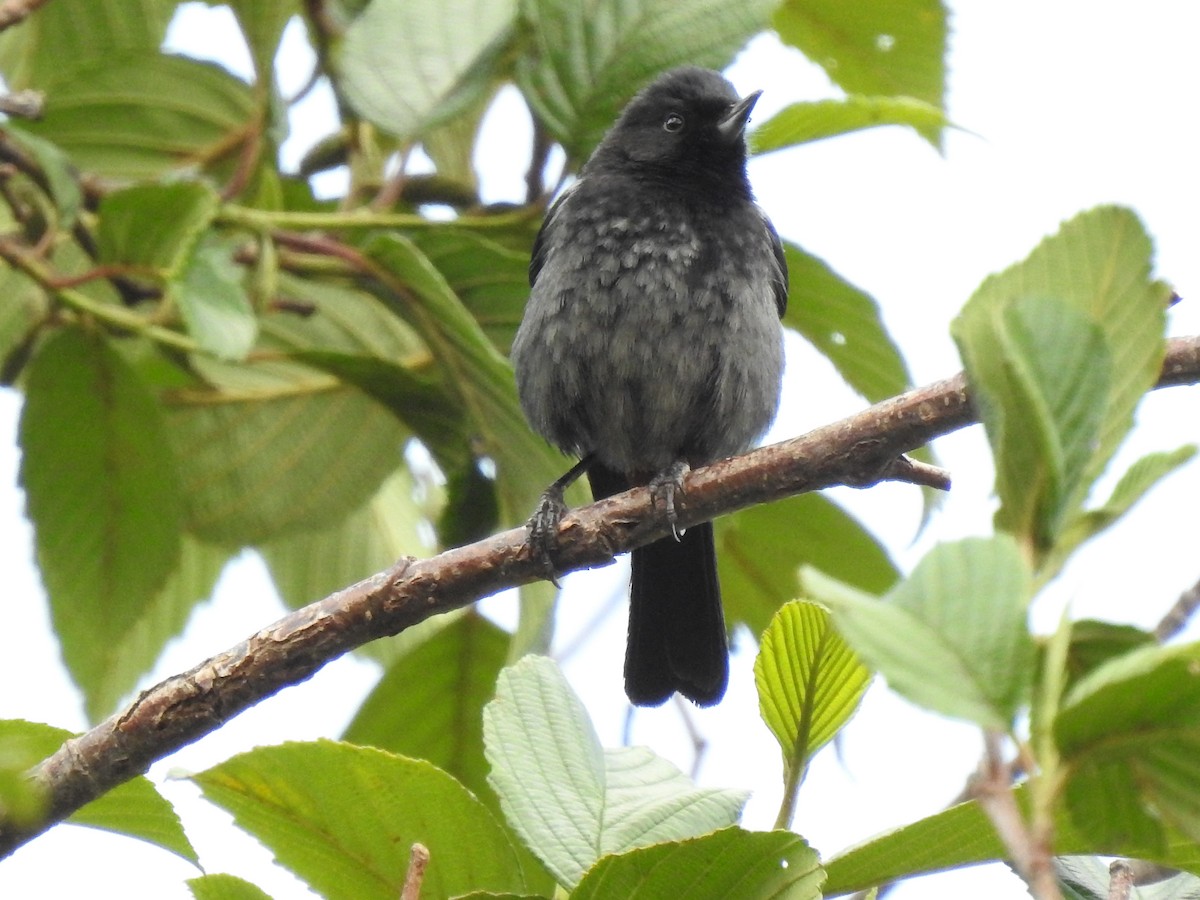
(1064, 105)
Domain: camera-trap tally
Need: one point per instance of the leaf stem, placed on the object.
(109, 313)
(261, 219)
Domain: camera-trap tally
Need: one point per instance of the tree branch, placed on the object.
(858, 450)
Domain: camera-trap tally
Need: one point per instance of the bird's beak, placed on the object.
(733, 125)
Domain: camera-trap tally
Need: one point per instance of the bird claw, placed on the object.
(543, 530)
(663, 488)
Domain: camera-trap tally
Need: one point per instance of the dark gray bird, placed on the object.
(651, 343)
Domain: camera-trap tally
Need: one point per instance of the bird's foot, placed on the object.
(663, 488)
(543, 528)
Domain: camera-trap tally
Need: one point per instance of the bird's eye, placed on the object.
(673, 123)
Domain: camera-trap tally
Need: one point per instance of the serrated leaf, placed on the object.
(268, 444)
(1041, 372)
(952, 637)
(479, 375)
(102, 488)
(761, 550)
(136, 116)
(727, 863)
(154, 226)
(1099, 263)
(584, 60)
(220, 886)
(1137, 481)
(569, 800)
(263, 467)
(419, 399)
(409, 64)
(213, 301)
(429, 703)
(809, 682)
(1138, 716)
(343, 817)
(134, 809)
(843, 323)
(888, 49)
(59, 38)
(815, 120)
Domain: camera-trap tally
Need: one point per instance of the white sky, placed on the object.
(1068, 104)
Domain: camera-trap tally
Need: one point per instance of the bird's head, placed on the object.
(688, 124)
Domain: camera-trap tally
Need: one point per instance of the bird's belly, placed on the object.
(644, 377)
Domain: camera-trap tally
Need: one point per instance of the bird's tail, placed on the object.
(676, 624)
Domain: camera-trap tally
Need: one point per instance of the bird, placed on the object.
(651, 344)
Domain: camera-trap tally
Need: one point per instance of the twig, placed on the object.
(1178, 615)
(418, 862)
(993, 791)
(1120, 880)
(13, 12)
(187, 706)
(27, 104)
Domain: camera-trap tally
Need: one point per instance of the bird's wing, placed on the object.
(541, 243)
(780, 284)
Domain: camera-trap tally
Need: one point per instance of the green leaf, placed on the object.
(890, 49)
(815, 120)
(220, 886)
(155, 226)
(535, 627)
(25, 307)
(809, 682)
(1094, 643)
(1137, 718)
(343, 818)
(762, 549)
(569, 800)
(134, 809)
(1134, 484)
(1041, 371)
(267, 445)
(843, 323)
(584, 60)
(61, 179)
(429, 703)
(262, 22)
(407, 65)
(727, 863)
(492, 280)
(1099, 263)
(213, 301)
(131, 117)
(417, 398)
(313, 564)
(102, 489)
(261, 466)
(963, 835)
(952, 637)
(120, 662)
(60, 38)
(470, 363)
